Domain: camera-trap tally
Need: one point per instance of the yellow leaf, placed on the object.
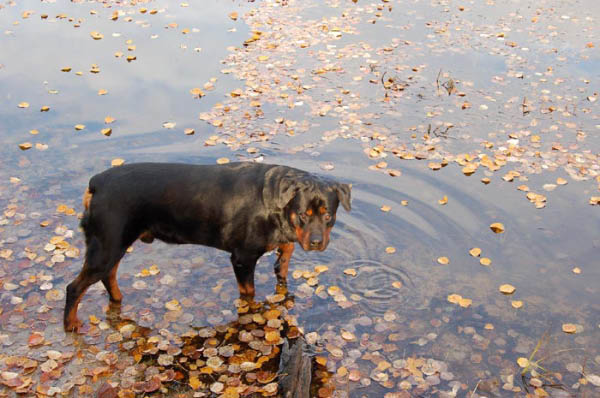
(263, 58)
(475, 252)
(195, 383)
(350, 271)
(390, 250)
(569, 328)
(222, 161)
(79, 127)
(443, 201)
(497, 227)
(523, 362)
(23, 105)
(443, 260)
(117, 162)
(485, 261)
(516, 303)
(233, 15)
(507, 289)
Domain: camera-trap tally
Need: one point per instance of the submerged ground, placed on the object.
(469, 131)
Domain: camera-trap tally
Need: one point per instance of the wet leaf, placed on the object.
(475, 252)
(117, 162)
(507, 289)
(79, 127)
(485, 261)
(443, 201)
(523, 362)
(107, 132)
(23, 105)
(497, 227)
(443, 260)
(516, 303)
(569, 328)
(96, 35)
(350, 271)
(222, 160)
(25, 146)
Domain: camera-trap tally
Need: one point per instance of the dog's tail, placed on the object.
(87, 201)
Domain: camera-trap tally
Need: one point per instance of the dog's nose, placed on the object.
(315, 243)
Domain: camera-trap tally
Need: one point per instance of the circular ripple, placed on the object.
(374, 283)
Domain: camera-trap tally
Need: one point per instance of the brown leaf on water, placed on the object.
(385, 208)
(25, 146)
(569, 328)
(443, 260)
(233, 15)
(107, 131)
(390, 250)
(497, 227)
(109, 119)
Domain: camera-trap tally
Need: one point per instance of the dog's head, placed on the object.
(309, 203)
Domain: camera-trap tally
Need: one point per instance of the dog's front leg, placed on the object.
(244, 263)
(281, 266)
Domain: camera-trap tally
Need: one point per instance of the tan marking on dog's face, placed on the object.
(87, 199)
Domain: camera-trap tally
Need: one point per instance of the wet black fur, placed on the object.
(242, 208)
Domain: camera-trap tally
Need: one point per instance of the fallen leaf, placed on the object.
(443, 260)
(497, 227)
(475, 252)
(507, 289)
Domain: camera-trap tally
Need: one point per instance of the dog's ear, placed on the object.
(343, 194)
(280, 187)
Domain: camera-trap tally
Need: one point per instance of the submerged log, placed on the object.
(295, 369)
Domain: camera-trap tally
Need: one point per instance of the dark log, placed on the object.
(295, 369)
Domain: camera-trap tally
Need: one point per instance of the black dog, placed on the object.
(246, 209)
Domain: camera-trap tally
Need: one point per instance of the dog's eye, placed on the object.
(326, 216)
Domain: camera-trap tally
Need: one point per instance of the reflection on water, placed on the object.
(374, 304)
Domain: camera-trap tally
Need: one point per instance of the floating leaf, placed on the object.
(117, 162)
(443, 201)
(96, 35)
(222, 160)
(485, 261)
(569, 328)
(390, 250)
(507, 289)
(443, 260)
(475, 252)
(497, 227)
(516, 304)
(79, 127)
(23, 105)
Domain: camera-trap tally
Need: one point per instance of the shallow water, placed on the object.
(323, 107)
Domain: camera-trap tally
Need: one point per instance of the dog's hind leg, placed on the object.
(105, 248)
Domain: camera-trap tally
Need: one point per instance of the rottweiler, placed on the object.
(246, 209)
